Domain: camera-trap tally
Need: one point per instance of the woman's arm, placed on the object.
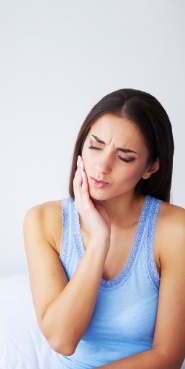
(63, 308)
(168, 351)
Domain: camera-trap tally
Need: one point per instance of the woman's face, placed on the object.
(115, 157)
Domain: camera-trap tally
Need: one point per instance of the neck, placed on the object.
(124, 211)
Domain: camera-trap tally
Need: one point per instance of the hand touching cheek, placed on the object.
(94, 217)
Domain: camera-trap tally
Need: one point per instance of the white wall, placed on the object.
(57, 59)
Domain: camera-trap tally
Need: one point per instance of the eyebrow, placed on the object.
(98, 139)
(118, 148)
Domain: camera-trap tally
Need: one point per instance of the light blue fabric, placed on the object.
(125, 312)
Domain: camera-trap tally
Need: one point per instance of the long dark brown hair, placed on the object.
(148, 114)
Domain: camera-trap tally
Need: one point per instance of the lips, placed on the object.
(99, 183)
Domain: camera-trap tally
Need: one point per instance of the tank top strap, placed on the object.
(153, 211)
(68, 221)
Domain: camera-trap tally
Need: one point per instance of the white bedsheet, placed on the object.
(22, 345)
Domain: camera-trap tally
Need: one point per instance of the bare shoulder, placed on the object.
(44, 210)
(172, 217)
(170, 233)
(45, 219)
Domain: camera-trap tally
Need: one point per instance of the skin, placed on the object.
(113, 208)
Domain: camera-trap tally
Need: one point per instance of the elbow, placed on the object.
(59, 341)
(62, 348)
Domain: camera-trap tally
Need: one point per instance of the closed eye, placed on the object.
(94, 148)
(129, 160)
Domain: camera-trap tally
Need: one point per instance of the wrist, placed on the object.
(99, 245)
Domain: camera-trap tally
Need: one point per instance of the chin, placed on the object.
(98, 196)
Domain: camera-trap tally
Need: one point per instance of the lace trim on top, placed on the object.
(65, 232)
(153, 273)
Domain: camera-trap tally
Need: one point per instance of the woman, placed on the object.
(109, 291)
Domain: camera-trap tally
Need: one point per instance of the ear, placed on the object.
(151, 169)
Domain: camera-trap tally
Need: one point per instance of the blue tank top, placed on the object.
(124, 317)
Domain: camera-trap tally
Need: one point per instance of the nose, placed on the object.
(104, 164)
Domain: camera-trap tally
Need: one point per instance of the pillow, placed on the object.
(22, 346)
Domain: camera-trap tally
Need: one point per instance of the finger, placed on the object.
(77, 181)
(85, 186)
(77, 184)
(81, 188)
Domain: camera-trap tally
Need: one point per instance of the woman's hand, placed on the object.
(93, 215)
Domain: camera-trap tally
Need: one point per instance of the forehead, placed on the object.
(120, 131)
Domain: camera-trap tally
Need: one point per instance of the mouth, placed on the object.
(98, 183)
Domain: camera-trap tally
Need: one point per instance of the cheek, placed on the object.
(132, 174)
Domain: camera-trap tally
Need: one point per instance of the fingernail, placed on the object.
(78, 160)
